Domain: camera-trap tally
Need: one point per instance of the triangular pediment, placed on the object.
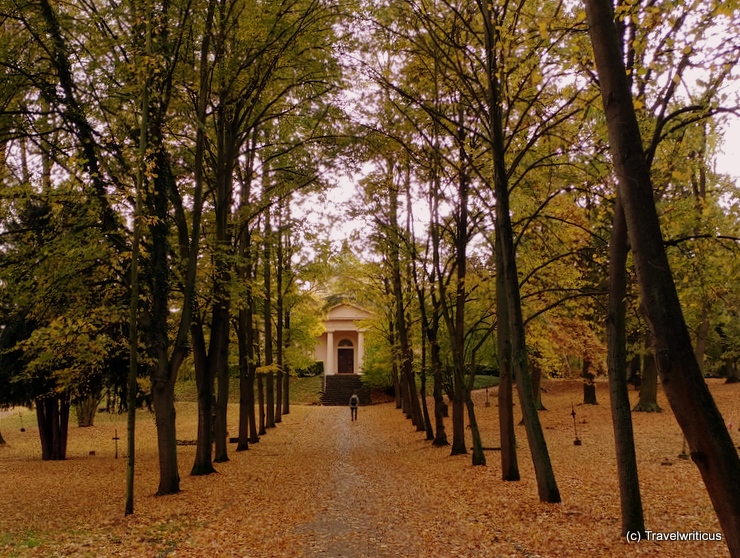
(347, 312)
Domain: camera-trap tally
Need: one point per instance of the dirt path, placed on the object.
(374, 503)
(372, 488)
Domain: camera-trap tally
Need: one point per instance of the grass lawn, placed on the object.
(303, 391)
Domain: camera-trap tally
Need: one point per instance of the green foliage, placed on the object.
(378, 361)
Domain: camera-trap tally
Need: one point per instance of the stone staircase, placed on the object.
(339, 388)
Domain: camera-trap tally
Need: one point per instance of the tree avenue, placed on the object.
(532, 188)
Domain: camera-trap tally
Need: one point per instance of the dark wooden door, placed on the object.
(346, 361)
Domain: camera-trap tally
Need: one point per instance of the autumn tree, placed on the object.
(687, 393)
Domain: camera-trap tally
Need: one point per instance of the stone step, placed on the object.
(340, 388)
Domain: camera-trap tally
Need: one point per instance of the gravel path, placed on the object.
(380, 498)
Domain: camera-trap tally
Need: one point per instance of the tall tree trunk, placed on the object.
(133, 371)
(163, 397)
(479, 458)
(267, 274)
(635, 374)
(455, 318)
(711, 446)
(702, 331)
(410, 399)
(164, 375)
(440, 435)
(546, 486)
(2, 440)
(394, 364)
(509, 462)
(244, 334)
(286, 373)
(220, 344)
(729, 363)
(420, 293)
(440, 407)
(243, 443)
(616, 323)
(279, 303)
(52, 414)
(731, 373)
(252, 334)
(218, 351)
(216, 359)
(537, 387)
(589, 387)
(85, 407)
(203, 464)
(261, 402)
(270, 381)
(166, 368)
(648, 401)
(254, 430)
(423, 378)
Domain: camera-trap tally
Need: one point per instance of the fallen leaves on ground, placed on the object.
(321, 485)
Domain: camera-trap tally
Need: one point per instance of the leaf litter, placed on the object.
(321, 485)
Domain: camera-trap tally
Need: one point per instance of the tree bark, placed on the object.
(729, 363)
(85, 407)
(629, 486)
(702, 331)
(270, 381)
(711, 447)
(286, 374)
(52, 415)
(220, 345)
(141, 180)
(410, 397)
(163, 397)
(648, 402)
(509, 463)
(267, 275)
(394, 363)
(537, 387)
(203, 464)
(479, 458)
(243, 443)
(261, 402)
(589, 388)
(279, 303)
(423, 378)
(731, 374)
(245, 336)
(440, 435)
(546, 486)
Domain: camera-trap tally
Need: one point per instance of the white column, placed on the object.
(330, 368)
(360, 351)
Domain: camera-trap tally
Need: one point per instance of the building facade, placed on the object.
(342, 347)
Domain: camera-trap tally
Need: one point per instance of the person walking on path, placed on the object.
(354, 402)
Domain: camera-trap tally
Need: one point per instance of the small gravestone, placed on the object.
(115, 439)
(577, 441)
